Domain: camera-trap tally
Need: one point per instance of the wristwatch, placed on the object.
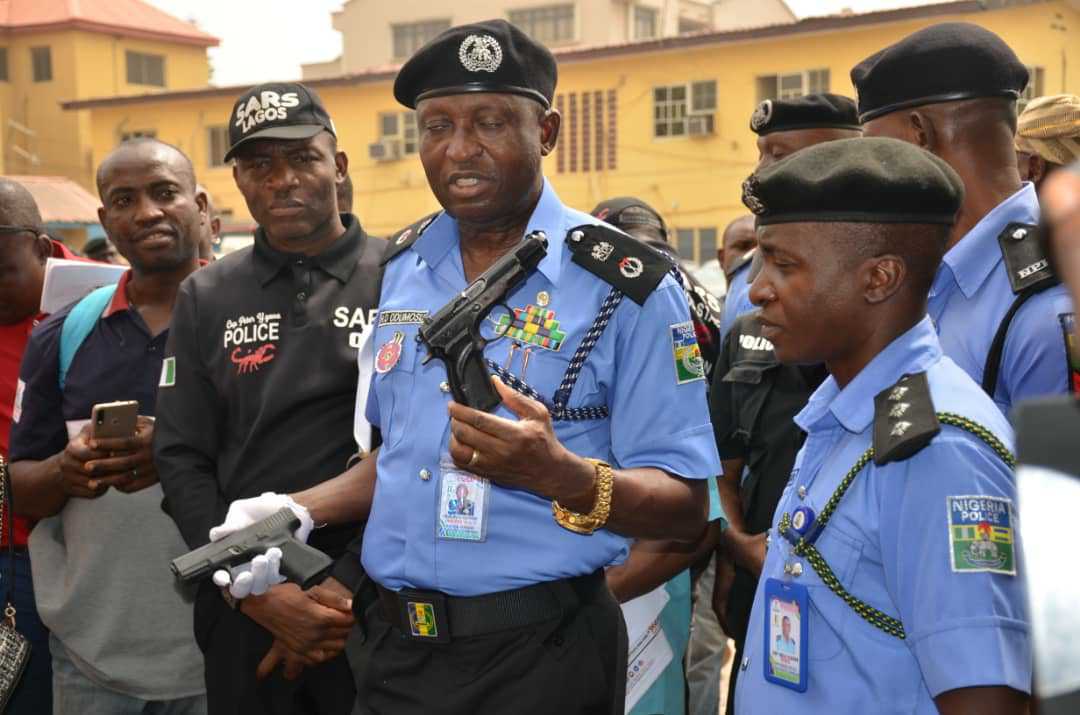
(595, 519)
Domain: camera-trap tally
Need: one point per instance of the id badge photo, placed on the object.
(787, 625)
(463, 505)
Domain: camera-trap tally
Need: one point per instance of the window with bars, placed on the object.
(3, 65)
(411, 36)
(646, 22)
(547, 24)
(682, 109)
(217, 142)
(696, 245)
(400, 126)
(588, 139)
(41, 63)
(792, 84)
(144, 68)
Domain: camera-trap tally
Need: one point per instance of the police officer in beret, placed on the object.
(952, 89)
(894, 551)
(255, 397)
(783, 127)
(644, 223)
(507, 609)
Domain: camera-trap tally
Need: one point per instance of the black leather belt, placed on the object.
(435, 617)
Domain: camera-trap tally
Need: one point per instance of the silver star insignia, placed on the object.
(899, 429)
(899, 409)
(898, 393)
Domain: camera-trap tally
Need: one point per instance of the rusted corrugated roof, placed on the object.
(60, 199)
(131, 18)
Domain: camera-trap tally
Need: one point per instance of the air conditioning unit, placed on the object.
(386, 149)
(699, 125)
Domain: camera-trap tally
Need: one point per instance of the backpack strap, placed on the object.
(79, 324)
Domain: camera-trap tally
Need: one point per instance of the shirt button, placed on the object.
(425, 474)
(796, 570)
(745, 663)
(802, 491)
(301, 296)
(444, 386)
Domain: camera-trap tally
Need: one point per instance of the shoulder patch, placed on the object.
(398, 242)
(1025, 260)
(619, 259)
(904, 419)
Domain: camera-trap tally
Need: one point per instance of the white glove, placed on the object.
(262, 572)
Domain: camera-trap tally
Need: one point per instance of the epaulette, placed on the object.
(744, 261)
(621, 260)
(1025, 259)
(400, 241)
(904, 419)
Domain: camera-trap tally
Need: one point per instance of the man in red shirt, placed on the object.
(24, 248)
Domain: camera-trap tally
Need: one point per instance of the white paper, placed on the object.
(67, 281)
(649, 657)
(1048, 502)
(640, 612)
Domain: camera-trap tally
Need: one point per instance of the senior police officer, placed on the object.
(506, 609)
(952, 89)
(256, 396)
(894, 550)
(784, 126)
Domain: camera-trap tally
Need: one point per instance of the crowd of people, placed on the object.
(817, 465)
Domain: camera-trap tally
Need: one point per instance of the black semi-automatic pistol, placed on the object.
(300, 564)
(453, 334)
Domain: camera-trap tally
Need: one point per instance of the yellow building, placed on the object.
(52, 51)
(665, 120)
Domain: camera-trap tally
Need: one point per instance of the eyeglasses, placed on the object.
(4, 228)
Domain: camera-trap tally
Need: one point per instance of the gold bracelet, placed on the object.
(595, 519)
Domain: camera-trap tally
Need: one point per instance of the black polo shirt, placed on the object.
(259, 382)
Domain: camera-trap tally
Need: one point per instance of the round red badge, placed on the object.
(389, 353)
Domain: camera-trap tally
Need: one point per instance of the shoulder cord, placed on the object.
(557, 406)
(807, 550)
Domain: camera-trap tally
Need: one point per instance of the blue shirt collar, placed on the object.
(975, 256)
(853, 407)
(549, 216)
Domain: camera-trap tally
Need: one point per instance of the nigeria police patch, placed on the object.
(689, 365)
(981, 534)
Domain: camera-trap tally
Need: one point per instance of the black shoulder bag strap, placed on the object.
(992, 368)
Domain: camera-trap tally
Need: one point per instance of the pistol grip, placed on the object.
(474, 381)
(302, 564)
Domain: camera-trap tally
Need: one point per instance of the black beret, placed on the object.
(626, 212)
(862, 180)
(942, 63)
(813, 111)
(490, 56)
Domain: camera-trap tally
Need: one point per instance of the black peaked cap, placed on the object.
(489, 56)
(863, 180)
(942, 63)
(813, 111)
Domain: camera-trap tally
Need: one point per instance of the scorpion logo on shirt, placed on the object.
(246, 364)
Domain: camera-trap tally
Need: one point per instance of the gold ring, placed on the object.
(475, 456)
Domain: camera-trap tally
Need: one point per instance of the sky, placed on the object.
(261, 39)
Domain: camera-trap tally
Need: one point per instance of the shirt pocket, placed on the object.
(829, 615)
(394, 381)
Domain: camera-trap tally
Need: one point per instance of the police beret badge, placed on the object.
(750, 196)
(480, 53)
(761, 116)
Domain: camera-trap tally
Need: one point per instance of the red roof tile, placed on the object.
(132, 18)
(60, 199)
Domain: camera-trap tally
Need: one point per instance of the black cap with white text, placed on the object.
(277, 110)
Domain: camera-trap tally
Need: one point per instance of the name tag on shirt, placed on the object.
(463, 505)
(787, 628)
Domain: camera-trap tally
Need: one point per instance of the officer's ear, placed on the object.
(882, 277)
(923, 132)
(550, 123)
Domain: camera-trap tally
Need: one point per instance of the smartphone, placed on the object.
(114, 419)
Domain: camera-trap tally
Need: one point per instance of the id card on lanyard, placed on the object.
(787, 627)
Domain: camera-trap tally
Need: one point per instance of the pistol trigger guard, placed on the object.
(510, 315)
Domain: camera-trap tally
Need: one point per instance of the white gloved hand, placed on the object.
(258, 575)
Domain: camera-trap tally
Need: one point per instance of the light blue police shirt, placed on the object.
(970, 296)
(654, 421)
(737, 300)
(889, 544)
